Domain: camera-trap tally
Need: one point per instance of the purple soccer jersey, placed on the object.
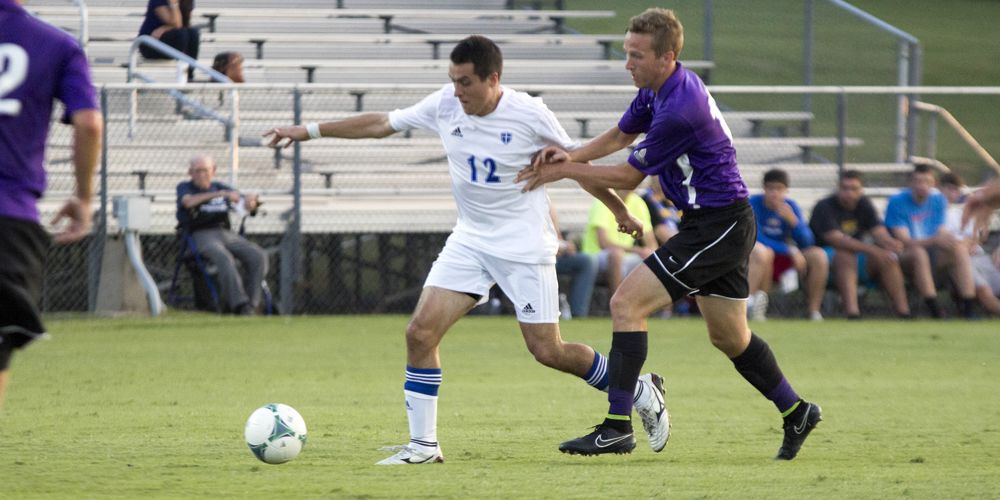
(687, 143)
(38, 63)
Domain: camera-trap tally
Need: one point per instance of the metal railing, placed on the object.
(301, 235)
(183, 61)
(908, 69)
(936, 111)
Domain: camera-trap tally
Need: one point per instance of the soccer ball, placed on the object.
(275, 433)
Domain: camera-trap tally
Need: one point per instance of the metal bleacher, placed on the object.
(362, 186)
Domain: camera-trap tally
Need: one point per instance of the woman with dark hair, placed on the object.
(169, 21)
(229, 64)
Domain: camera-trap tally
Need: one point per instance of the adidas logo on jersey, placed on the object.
(527, 309)
(457, 132)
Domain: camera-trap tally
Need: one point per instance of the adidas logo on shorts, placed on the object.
(457, 132)
(527, 309)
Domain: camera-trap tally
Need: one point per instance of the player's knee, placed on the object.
(729, 342)
(623, 309)
(547, 354)
(420, 337)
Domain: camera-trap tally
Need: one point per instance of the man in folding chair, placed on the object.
(203, 206)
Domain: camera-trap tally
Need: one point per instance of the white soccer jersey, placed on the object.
(485, 153)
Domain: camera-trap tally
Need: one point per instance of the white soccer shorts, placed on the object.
(533, 288)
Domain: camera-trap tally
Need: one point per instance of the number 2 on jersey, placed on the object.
(13, 70)
(491, 165)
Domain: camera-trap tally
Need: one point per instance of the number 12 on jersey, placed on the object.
(490, 165)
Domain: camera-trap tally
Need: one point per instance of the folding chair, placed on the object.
(205, 288)
(188, 254)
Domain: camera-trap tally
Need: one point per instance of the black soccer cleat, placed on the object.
(797, 427)
(603, 440)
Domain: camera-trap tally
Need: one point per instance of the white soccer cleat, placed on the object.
(407, 454)
(651, 408)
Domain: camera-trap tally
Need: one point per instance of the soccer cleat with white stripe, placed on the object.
(652, 410)
(407, 454)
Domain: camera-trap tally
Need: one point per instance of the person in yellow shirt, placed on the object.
(617, 253)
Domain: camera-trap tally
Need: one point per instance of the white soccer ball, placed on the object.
(275, 433)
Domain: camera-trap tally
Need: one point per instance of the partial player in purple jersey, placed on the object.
(689, 146)
(38, 64)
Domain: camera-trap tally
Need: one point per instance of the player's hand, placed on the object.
(549, 154)
(77, 212)
(289, 135)
(629, 225)
(536, 176)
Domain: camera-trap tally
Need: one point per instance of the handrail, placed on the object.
(84, 34)
(908, 63)
(959, 129)
(583, 89)
(874, 21)
(231, 123)
(133, 58)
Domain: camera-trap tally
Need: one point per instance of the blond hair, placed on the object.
(665, 28)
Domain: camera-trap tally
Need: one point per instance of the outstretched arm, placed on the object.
(621, 176)
(980, 206)
(363, 126)
(610, 141)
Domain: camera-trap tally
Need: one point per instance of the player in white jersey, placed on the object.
(502, 235)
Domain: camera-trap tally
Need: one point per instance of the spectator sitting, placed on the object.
(844, 224)
(203, 211)
(229, 64)
(617, 253)
(915, 216)
(662, 213)
(582, 270)
(784, 243)
(169, 21)
(985, 267)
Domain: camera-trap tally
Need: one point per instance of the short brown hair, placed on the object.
(663, 25)
(482, 52)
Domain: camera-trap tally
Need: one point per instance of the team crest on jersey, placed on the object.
(505, 137)
(640, 155)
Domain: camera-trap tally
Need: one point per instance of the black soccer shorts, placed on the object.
(22, 264)
(709, 254)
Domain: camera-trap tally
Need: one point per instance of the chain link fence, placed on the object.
(352, 226)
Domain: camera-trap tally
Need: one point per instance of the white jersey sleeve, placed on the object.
(422, 115)
(549, 129)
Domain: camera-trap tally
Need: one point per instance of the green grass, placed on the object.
(759, 42)
(155, 408)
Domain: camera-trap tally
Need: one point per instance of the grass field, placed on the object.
(155, 408)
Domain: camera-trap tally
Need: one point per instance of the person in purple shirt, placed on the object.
(38, 63)
(689, 146)
(784, 242)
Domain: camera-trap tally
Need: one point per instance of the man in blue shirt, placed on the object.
(689, 147)
(784, 241)
(203, 206)
(916, 216)
(38, 64)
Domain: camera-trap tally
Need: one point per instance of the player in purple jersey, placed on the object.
(689, 147)
(38, 63)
